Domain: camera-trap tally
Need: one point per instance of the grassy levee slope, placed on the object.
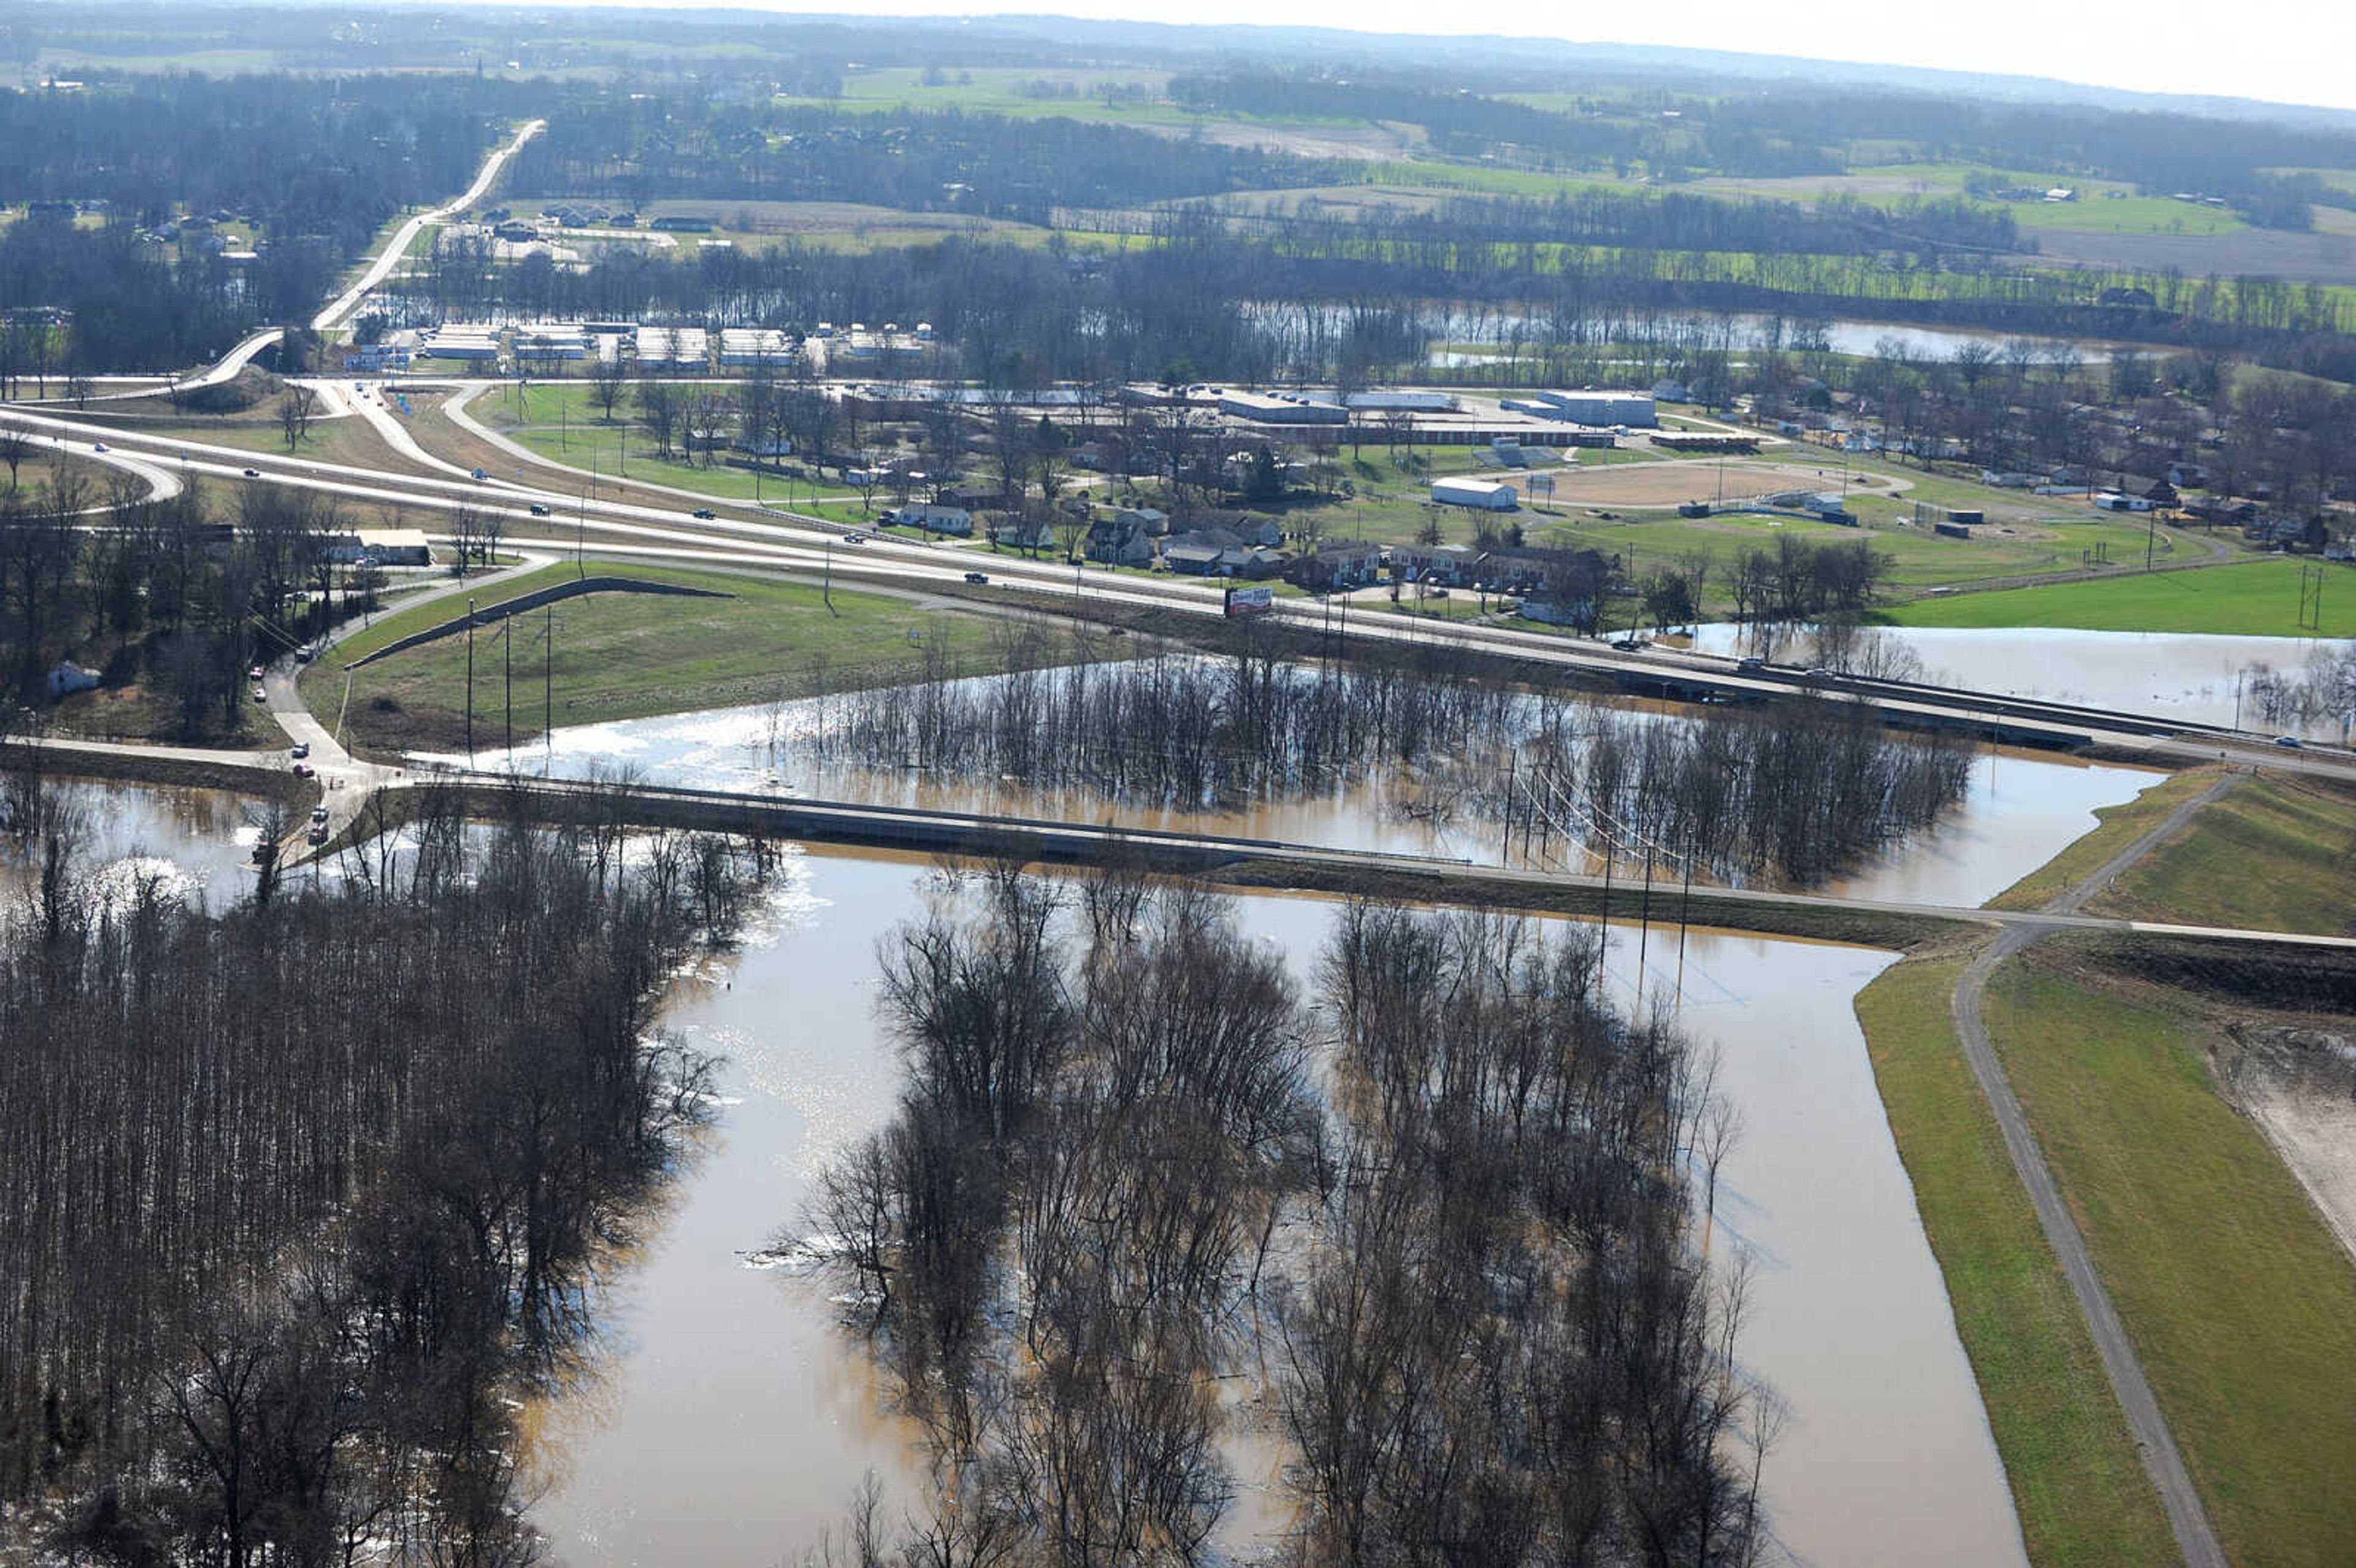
(2278, 854)
(2077, 1483)
(619, 655)
(2254, 598)
(2240, 1304)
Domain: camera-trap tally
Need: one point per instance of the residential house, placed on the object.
(69, 677)
(954, 521)
(1153, 519)
(1011, 531)
(1347, 564)
(1445, 564)
(1216, 552)
(1117, 543)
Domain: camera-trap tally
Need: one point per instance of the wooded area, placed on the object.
(1438, 1232)
(304, 1193)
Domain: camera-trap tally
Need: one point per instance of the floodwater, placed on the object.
(1862, 338)
(2021, 808)
(2186, 676)
(199, 842)
(734, 1416)
(728, 1415)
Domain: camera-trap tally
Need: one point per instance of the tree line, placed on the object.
(1798, 790)
(1119, 1211)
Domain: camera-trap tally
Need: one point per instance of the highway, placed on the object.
(339, 309)
(740, 534)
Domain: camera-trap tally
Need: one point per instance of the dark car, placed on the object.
(2292, 741)
(706, 513)
(977, 577)
(1751, 666)
(253, 473)
(538, 510)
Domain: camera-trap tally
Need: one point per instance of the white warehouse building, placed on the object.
(1601, 408)
(1483, 495)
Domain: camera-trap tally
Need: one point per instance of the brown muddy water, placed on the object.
(730, 1415)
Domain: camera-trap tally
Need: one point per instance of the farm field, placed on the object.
(2254, 598)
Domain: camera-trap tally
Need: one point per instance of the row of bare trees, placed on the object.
(306, 1193)
(1123, 1219)
(1797, 790)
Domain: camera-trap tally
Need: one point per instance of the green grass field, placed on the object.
(2241, 1303)
(2080, 1491)
(626, 656)
(2274, 855)
(2258, 598)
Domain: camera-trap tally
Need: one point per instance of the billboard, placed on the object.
(1250, 601)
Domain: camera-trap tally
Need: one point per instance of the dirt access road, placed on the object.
(2195, 1537)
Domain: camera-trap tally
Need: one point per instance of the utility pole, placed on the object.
(507, 634)
(548, 686)
(470, 683)
(2150, 536)
(827, 590)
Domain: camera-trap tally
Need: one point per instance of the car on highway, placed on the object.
(253, 473)
(299, 750)
(98, 447)
(854, 538)
(538, 510)
(2291, 742)
(977, 577)
(1750, 667)
(705, 513)
(1631, 645)
(1820, 673)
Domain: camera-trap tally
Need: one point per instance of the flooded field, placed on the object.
(2191, 677)
(199, 841)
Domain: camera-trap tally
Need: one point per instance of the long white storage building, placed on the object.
(1483, 495)
(1597, 408)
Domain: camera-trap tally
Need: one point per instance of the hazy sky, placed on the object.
(2293, 51)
